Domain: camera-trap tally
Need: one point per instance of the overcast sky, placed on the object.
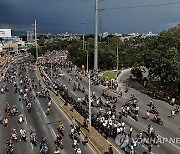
(121, 16)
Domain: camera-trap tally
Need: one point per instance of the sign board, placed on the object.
(5, 32)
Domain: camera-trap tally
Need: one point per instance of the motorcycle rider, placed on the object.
(61, 125)
(48, 110)
(9, 146)
(29, 106)
(13, 133)
(78, 151)
(22, 134)
(33, 137)
(157, 118)
(57, 151)
(43, 145)
(151, 103)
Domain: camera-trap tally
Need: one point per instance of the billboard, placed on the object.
(5, 33)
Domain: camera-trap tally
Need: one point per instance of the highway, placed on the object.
(170, 128)
(44, 125)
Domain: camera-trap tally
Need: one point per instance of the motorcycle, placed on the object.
(83, 90)
(20, 120)
(7, 109)
(61, 131)
(48, 111)
(159, 121)
(2, 91)
(14, 137)
(154, 111)
(29, 108)
(9, 150)
(11, 113)
(23, 137)
(33, 139)
(74, 88)
(44, 148)
(59, 143)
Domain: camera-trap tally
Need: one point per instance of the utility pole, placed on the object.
(83, 33)
(89, 102)
(96, 36)
(35, 26)
(117, 59)
(51, 71)
(87, 57)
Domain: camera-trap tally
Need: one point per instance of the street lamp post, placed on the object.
(35, 24)
(83, 34)
(117, 59)
(96, 36)
(51, 71)
(89, 102)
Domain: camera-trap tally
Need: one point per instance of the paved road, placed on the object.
(170, 129)
(45, 126)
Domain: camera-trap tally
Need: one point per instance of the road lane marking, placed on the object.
(32, 146)
(73, 93)
(22, 106)
(25, 120)
(53, 132)
(44, 113)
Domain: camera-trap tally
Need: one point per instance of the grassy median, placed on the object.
(108, 75)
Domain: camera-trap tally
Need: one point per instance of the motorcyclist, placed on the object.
(22, 134)
(15, 108)
(33, 136)
(151, 103)
(61, 125)
(57, 151)
(86, 140)
(78, 151)
(7, 107)
(58, 137)
(29, 106)
(43, 145)
(157, 118)
(13, 133)
(48, 110)
(2, 90)
(83, 89)
(9, 146)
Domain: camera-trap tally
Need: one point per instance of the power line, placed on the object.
(141, 6)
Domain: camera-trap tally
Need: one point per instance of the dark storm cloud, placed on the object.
(67, 15)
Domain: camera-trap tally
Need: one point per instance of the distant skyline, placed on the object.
(115, 16)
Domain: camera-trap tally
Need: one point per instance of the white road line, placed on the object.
(37, 101)
(131, 118)
(32, 146)
(25, 120)
(144, 147)
(73, 93)
(44, 113)
(53, 132)
(170, 142)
